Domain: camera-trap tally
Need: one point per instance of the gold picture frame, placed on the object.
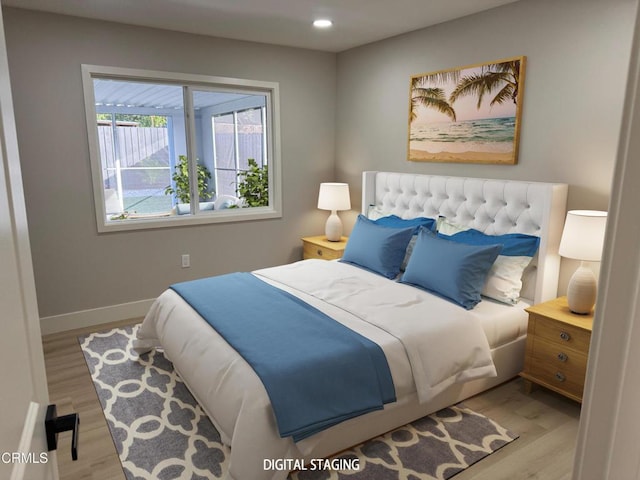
(467, 114)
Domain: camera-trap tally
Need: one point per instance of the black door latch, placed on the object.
(54, 425)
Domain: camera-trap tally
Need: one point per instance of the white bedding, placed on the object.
(398, 317)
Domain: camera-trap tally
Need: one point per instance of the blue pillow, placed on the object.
(504, 282)
(377, 248)
(395, 221)
(513, 244)
(456, 271)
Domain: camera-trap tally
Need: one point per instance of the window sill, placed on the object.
(141, 222)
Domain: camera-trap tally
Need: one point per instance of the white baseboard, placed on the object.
(94, 316)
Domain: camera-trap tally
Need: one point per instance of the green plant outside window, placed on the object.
(181, 179)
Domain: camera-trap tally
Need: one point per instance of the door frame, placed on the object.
(23, 372)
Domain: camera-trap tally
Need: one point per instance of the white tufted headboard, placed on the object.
(494, 207)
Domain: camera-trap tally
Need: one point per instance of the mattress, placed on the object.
(502, 323)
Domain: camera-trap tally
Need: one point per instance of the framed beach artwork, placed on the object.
(467, 114)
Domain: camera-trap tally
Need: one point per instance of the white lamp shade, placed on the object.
(334, 196)
(583, 235)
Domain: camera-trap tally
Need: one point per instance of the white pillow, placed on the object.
(504, 281)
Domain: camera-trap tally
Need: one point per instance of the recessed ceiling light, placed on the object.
(322, 23)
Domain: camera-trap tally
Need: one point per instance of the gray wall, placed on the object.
(577, 61)
(75, 267)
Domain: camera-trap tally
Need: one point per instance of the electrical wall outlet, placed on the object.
(186, 261)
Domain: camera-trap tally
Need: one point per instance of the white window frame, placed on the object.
(188, 81)
(236, 152)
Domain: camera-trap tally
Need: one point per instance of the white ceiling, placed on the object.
(280, 22)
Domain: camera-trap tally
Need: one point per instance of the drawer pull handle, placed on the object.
(560, 377)
(563, 357)
(565, 336)
(319, 252)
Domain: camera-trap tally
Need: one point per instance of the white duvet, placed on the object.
(429, 343)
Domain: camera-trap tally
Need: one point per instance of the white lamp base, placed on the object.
(582, 289)
(333, 227)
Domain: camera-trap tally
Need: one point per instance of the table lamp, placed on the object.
(334, 197)
(583, 239)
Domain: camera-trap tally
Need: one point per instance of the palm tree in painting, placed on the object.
(429, 97)
(504, 77)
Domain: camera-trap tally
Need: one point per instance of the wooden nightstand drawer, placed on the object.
(320, 247)
(561, 333)
(310, 250)
(558, 380)
(557, 357)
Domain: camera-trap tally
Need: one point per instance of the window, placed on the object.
(151, 133)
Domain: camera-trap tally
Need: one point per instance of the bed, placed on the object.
(382, 310)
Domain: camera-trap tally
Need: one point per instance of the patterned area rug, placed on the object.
(161, 433)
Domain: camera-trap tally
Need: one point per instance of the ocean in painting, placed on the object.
(479, 135)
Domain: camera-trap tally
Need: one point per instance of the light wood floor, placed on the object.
(546, 422)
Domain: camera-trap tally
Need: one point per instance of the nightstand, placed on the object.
(320, 247)
(557, 348)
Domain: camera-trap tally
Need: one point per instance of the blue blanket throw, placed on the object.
(316, 371)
